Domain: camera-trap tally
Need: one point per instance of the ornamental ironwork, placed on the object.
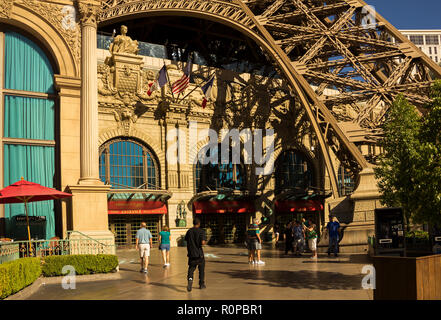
(337, 56)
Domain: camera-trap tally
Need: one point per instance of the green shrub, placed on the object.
(18, 274)
(83, 264)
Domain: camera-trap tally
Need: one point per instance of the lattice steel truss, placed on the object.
(336, 55)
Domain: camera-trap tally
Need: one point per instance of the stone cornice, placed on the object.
(68, 86)
(89, 188)
(67, 82)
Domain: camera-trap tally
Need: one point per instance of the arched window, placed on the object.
(125, 163)
(215, 174)
(28, 137)
(346, 183)
(293, 170)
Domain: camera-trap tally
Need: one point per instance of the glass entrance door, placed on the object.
(224, 228)
(124, 227)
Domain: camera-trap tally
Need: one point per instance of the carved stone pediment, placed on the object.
(123, 84)
(127, 74)
(123, 87)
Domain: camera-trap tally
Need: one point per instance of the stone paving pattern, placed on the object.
(228, 276)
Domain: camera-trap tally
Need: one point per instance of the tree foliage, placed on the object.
(409, 170)
(429, 173)
(398, 164)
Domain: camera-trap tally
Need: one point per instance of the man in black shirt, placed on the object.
(195, 238)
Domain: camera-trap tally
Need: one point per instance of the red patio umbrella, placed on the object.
(25, 191)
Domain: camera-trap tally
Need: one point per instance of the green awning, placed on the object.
(139, 194)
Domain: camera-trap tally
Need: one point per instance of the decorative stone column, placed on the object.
(88, 207)
(89, 93)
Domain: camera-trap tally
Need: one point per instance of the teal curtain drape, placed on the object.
(36, 164)
(29, 118)
(27, 68)
(26, 65)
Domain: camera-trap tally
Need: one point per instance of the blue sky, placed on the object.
(410, 14)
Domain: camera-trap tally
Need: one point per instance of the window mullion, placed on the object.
(145, 169)
(107, 164)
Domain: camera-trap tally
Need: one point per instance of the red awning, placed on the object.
(223, 207)
(298, 206)
(136, 207)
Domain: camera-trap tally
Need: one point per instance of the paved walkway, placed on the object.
(228, 276)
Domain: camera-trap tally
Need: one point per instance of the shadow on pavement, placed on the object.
(233, 262)
(320, 280)
(323, 261)
(168, 286)
(130, 270)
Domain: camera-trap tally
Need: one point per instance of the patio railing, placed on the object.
(13, 250)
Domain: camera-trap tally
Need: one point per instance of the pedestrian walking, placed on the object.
(333, 228)
(311, 236)
(254, 243)
(196, 238)
(288, 237)
(277, 233)
(299, 238)
(143, 244)
(164, 245)
(305, 223)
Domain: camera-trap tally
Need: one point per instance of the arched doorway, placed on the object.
(30, 133)
(132, 170)
(221, 200)
(296, 195)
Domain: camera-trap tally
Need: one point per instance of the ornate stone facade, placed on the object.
(108, 100)
(62, 17)
(5, 8)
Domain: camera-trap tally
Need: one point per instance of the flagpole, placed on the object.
(168, 78)
(198, 86)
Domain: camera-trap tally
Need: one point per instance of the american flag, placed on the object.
(182, 84)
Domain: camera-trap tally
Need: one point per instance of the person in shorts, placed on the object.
(143, 244)
(311, 236)
(299, 238)
(254, 243)
(164, 245)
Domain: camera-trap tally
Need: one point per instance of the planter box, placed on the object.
(407, 278)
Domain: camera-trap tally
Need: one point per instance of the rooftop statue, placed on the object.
(123, 43)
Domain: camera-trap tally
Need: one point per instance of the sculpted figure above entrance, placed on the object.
(123, 43)
(122, 82)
